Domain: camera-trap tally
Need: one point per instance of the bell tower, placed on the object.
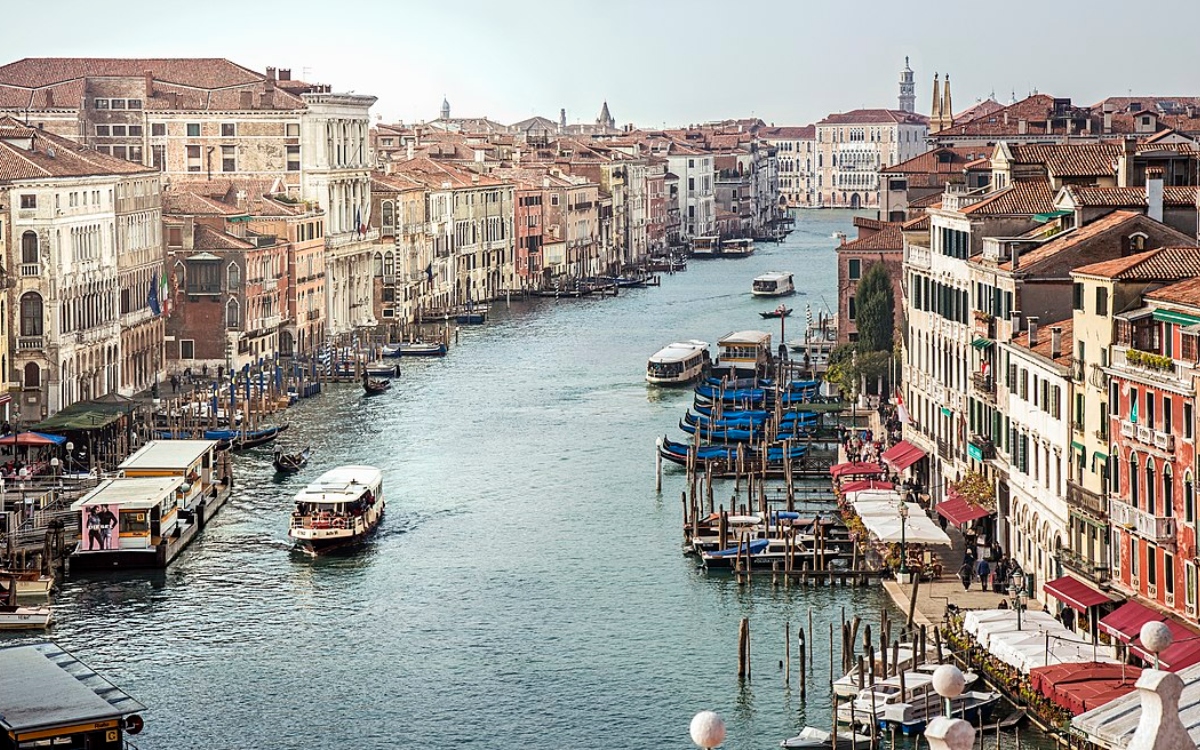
(908, 89)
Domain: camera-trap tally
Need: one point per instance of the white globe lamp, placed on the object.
(707, 730)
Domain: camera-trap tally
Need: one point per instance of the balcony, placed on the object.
(270, 285)
(1145, 434)
(1086, 500)
(314, 314)
(985, 325)
(981, 448)
(1164, 440)
(28, 343)
(945, 449)
(1128, 430)
(1154, 528)
(31, 269)
(956, 198)
(985, 386)
(918, 256)
(1083, 566)
(1147, 363)
(1099, 378)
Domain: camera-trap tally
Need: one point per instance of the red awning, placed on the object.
(858, 485)
(1184, 652)
(855, 469)
(1127, 621)
(31, 438)
(902, 455)
(1075, 593)
(959, 511)
(1083, 686)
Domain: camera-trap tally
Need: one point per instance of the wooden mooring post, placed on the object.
(744, 649)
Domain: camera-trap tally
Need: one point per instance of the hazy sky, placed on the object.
(655, 61)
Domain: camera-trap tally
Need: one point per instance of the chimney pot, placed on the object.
(285, 74)
(1033, 331)
(1055, 342)
(247, 99)
(149, 78)
(1015, 320)
(270, 74)
(1154, 193)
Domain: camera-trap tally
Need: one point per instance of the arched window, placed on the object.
(1150, 486)
(387, 216)
(1134, 472)
(233, 276)
(31, 314)
(233, 316)
(33, 375)
(1189, 498)
(378, 264)
(29, 247)
(1114, 468)
(1168, 491)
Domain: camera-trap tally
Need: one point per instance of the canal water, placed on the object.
(527, 588)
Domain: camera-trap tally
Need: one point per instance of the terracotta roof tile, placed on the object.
(1071, 239)
(917, 224)
(207, 238)
(51, 156)
(1070, 159)
(1018, 199)
(888, 238)
(1044, 342)
(872, 116)
(1186, 292)
(790, 133)
(1162, 264)
(926, 201)
(943, 160)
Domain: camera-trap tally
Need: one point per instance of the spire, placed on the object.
(605, 120)
(947, 107)
(445, 108)
(935, 110)
(908, 89)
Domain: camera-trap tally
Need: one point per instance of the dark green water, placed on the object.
(526, 589)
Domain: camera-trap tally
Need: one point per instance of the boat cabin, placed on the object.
(737, 248)
(744, 354)
(48, 698)
(773, 284)
(706, 246)
(678, 363)
(125, 515)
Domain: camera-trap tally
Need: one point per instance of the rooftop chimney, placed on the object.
(270, 74)
(1022, 126)
(1016, 256)
(1033, 326)
(49, 98)
(173, 98)
(285, 74)
(1015, 319)
(149, 77)
(247, 99)
(1154, 193)
(1055, 342)
(408, 152)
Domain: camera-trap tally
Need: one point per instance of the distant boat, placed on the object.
(773, 284)
(678, 363)
(415, 349)
(382, 370)
(811, 738)
(290, 463)
(779, 312)
(15, 617)
(373, 387)
(244, 439)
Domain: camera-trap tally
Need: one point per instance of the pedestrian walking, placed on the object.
(965, 575)
(174, 383)
(982, 569)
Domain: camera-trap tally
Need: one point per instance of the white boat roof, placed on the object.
(774, 276)
(168, 454)
(679, 351)
(341, 484)
(130, 492)
(745, 337)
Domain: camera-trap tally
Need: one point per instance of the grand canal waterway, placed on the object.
(527, 588)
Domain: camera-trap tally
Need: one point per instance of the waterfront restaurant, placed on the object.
(48, 698)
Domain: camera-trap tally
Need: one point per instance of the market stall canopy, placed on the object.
(902, 455)
(866, 484)
(1126, 622)
(959, 511)
(1075, 593)
(86, 415)
(32, 439)
(1082, 687)
(855, 469)
(882, 518)
(1182, 653)
(1112, 725)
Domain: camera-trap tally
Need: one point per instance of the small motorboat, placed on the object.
(290, 463)
(373, 386)
(382, 370)
(415, 349)
(811, 737)
(15, 617)
(779, 312)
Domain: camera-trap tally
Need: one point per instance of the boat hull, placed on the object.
(323, 544)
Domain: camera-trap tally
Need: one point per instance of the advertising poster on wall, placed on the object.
(100, 528)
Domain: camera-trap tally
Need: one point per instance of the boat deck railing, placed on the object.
(321, 522)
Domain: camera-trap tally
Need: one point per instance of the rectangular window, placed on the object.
(1101, 301)
(1166, 427)
(158, 155)
(1188, 419)
(1077, 296)
(118, 131)
(1169, 573)
(118, 151)
(1079, 411)
(193, 130)
(158, 129)
(1133, 555)
(229, 158)
(1189, 582)
(292, 130)
(28, 201)
(853, 307)
(187, 349)
(103, 130)
(228, 130)
(135, 130)
(133, 103)
(293, 158)
(854, 269)
(116, 103)
(193, 158)
(100, 103)
(1152, 566)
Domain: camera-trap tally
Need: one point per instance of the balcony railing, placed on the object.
(270, 284)
(314, 314)
(1154, 528)
(1145, 434)
(1086, 500)
(945, 449)
(30, 342)
(918, 256)
(1164, 440)
(1128, 430)
(31, 269)
(981, 448)
(1085, 567)
(984, 384)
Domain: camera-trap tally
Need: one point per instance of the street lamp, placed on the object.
(54, 463)
(70, 454)
(707, 730)
(1016, 588)
(903, 539)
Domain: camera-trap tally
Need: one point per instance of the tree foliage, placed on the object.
(875, 317)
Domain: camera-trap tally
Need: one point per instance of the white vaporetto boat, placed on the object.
(339, 509)
(678, 363)
(773, 284)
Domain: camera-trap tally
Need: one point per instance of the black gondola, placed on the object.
(290, 463)
(254, 438)
(779, 312)
(373, 386)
